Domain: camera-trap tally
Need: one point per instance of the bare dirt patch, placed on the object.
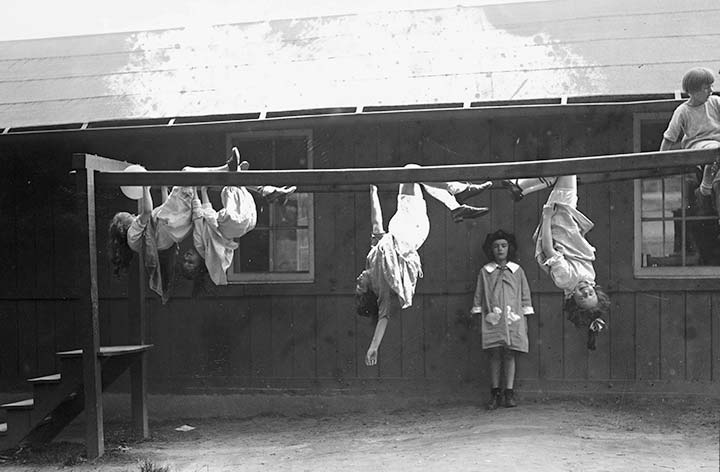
(538, 435)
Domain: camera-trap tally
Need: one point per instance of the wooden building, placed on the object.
(451, 86)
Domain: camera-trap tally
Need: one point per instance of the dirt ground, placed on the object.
(538, 435)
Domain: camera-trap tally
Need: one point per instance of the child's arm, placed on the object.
(666, 144)
(526, 303)
(146, 206)
(372, 352)
(376, 218)
(478, 297)
(546, 236)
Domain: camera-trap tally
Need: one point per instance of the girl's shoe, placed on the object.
(495, 399)
(466, 212)
(510, 398)
(234, 160)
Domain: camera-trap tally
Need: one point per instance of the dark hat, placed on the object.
(499, 234)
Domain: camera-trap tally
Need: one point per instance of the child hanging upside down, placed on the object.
(392, 266)
(156, 232)
(214, 232)
(562, 251)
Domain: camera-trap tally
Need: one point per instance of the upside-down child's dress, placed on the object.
(394, 264)
(215, 232)
(169, 224)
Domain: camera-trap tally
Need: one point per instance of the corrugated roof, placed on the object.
(496, 53)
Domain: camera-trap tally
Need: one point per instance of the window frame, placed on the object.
(237, 278)
(664, 272)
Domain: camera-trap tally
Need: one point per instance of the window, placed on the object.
(280, 248)
(676, 233)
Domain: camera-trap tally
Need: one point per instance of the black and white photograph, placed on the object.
(379, 236)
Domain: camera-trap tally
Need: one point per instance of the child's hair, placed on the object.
(695, 79)
(583, 317)
(500, 234)
(366, 304)
(119, 252)
(202, 283)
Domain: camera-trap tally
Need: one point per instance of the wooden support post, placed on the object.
(89, 310)
(137, 318)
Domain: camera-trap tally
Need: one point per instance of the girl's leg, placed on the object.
(521, 187)
(231, 165)
(509, 366)
(495, 366)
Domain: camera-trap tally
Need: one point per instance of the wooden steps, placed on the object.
(58, 398)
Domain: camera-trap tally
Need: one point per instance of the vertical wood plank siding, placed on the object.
(663, 337)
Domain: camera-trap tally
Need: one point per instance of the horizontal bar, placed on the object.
(625, 163)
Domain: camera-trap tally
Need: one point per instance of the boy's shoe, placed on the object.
(472, 190)
(466, 212)
(495, 399)
(510, 398)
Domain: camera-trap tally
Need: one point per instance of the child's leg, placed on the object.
(232, 164)
(495, 366)
(567, 182)
(509, 368)
(521, 187)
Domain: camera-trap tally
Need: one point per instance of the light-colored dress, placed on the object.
(393, 263)
(574, 261)
(215, 232)
(169, 223)
(502, 298)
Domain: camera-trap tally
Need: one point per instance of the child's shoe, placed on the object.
(510, 398)
(466, 212)
(472, 190)
(495, 399)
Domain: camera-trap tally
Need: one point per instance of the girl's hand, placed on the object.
(371, 356)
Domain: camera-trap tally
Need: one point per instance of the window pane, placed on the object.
(291, 251)
(253, 253)
(673, 196)
(651, 198)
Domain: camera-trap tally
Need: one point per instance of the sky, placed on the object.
(20, 19)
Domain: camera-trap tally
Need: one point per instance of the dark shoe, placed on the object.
(515, 190)
(464, 212)
(234, 160)
(510, 398)
(472, 190)
(495, 399)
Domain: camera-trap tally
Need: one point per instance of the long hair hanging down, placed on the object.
(119, 252)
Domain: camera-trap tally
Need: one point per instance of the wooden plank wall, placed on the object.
(663, 337)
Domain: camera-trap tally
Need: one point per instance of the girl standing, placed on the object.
(502, 299)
